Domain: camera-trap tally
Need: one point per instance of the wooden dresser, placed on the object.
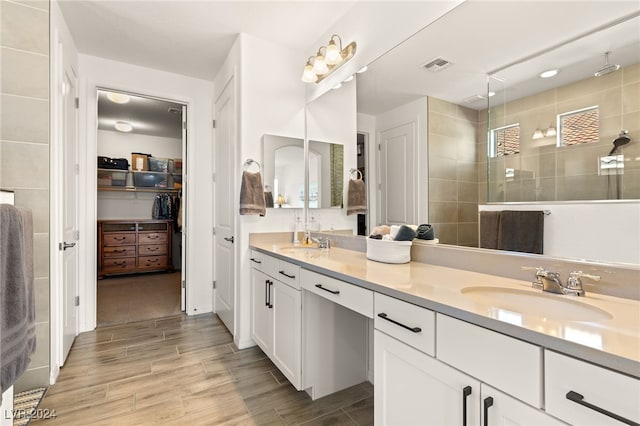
(134, 246)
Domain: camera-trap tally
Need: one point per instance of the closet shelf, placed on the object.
(136, 189)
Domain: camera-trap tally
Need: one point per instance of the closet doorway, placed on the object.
(141, 202)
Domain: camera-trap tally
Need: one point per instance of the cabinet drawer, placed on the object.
(408, 323)
(263, 262)
(115, 251)
(152, 261)
(152, 249)
(348, 295)
(508, 364)
(119, 239)
(288, 273)
(151, 237)
(614, 392)
(119, 264)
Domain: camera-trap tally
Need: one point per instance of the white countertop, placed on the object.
(611, 340)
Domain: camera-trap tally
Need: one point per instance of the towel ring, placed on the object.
(249, 163)
(357, 172)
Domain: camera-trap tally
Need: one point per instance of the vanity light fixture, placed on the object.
(118, 98)
(363, 69)
(549, 73)
(538, 134)
(328, 59)
(551, 131)
(348, 79)
(123, 126)
(280, 200)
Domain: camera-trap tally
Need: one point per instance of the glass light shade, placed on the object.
(551, 131)
(308, 76)
(123, 126)
(118, 98)
(319, 65)
(538, 134)
(333, 55)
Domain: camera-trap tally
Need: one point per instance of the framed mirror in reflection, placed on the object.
(326, 175)
(283, 171)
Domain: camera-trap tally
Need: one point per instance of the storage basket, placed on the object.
(111, 178)
(158, 164)
(389, 251)
(150, 179)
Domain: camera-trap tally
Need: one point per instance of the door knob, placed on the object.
(65, 245)
(230, 239)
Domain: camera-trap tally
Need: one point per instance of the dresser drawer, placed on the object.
(408, 323)
(151, 237)
(115, 251)
(119, 239)
(119, 265)
(288, 273)
(509, 364)
(264, 262)
(348, 295)
(152, 249)
(152, 261)
(605, 389)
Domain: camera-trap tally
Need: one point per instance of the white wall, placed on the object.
(601, 231)
(116, 144)
(198, 96)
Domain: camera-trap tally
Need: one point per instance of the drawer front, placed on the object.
(152, 262)
(289, 274)
(151, 237)
(152, 249)
(408, 323)
(348, 295)
(124, 251)
(263, 262)
(605, 389)
(509, 364)
(118, 239)
(117, 265)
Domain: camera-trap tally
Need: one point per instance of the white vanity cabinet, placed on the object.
(276, 314)
(498, 408)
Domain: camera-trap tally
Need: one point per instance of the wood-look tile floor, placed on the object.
(186, 371)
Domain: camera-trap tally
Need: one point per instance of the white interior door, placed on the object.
(183, 218)
(224, 159)
(70, 212)
(397, 177)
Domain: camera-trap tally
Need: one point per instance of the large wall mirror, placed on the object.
(426, 105)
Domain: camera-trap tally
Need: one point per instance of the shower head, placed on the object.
(607, 68)
(621, 140)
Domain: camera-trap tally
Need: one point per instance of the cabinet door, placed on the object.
(287, 338)
(501, 409)
(261, 312)
(414, 389)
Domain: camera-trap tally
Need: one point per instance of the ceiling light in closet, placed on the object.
(118, 98)
(123, 126)
(548, 73)
(328, 59)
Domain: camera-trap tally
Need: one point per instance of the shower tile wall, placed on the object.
(453, 176)
(545, 172)
(24, 147)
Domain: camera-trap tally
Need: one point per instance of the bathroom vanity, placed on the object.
(450, 346)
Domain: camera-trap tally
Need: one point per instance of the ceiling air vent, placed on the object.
(475, 98)
(437, 64)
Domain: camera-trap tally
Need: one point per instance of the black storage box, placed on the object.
(113, 163)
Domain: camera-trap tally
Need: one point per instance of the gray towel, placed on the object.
(356, 197)
(489, 223)
(17, 299)
(405, 233)
(268, 199)
(252, 194)
(521, 230)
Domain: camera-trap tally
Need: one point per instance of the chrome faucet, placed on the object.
(323, 243)
(550, 281)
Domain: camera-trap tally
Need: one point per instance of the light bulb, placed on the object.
(538, 134)
(308, 76)
(333, 56)
(551, 131)
(319, 64)
(123, 126)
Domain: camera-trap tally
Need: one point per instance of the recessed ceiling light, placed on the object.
(491, 94)
(548, 73)
(363, 69)
(123, 126)
(119, 98)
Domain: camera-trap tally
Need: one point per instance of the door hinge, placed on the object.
(214, 124)
(184, 125)
(214, 231)
(379, 148)
(184, 284)
(77, 301)
(379, 187)
(77, 167)
(214, 285)
(77, 102)
(76, 235)
(213, 177)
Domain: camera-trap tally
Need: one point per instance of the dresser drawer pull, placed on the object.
(153, 237)
(120, 251)
(413, 329)
(579, 399)
(119, 238)
(466, 391)
(287, 275)
(121, 264)
(488, 402)
(152, 248)
(150, 261)
(327, 290)
(256, 261)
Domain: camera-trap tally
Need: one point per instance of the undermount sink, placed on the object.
(551, 306)
(298, 249)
